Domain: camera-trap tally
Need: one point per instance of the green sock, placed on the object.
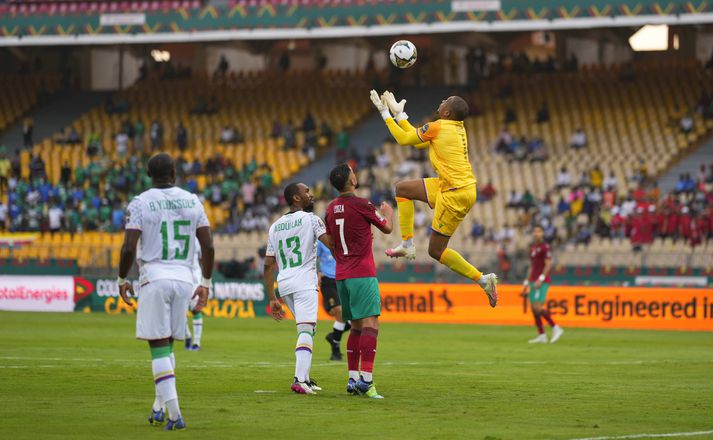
(160, 352)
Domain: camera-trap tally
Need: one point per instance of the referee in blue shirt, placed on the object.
(330, 299)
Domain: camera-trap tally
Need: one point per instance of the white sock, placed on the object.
(173, 361)
(166, 385)
(303, 354)
(197, 330)
(157, 403)
(367, 377)
(483, 280)
(353, 375)
(339, 325)
(407, 243)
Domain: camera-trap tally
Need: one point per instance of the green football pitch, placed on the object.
(84, 376)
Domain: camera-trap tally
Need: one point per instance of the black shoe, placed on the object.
(335, 357)
(335, 345)
(188, 343)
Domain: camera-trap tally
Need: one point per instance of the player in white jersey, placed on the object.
(194, 342)
(168, 220)
(292, 247)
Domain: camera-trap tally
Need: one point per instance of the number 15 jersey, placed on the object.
(349, 220)
(292, 240)
(168, 219)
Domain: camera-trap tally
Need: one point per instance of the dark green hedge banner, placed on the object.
(359, 14)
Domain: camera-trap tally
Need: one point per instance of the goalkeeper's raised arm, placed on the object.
(403, 132)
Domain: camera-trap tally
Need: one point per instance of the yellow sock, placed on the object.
(405, 207)
(455, 262)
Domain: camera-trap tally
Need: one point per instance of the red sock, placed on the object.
(353, 350)
(538, 323)
(548, 317)
(367, 346)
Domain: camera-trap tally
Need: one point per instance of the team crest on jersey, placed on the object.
(424, 129)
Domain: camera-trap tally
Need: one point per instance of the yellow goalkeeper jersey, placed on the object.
(448, 152)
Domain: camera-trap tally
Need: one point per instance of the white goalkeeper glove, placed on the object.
(380, 105)
(397, 108)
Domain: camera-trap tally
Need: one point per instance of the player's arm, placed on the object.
(269, 278)
(134, 226)
(205, 239)
(383, 220)
(269, 275)
(546, 270)
(400, 116)
(526, 283)
(128, 255)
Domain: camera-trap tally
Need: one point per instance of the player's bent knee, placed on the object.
(310, 329)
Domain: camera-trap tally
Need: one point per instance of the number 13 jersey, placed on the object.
(168, 219)
(349, 220)
(292, 240)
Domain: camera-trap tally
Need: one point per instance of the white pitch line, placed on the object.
(633, 436)
(265, 392)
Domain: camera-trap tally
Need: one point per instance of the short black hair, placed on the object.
(459, 108)
(161, 167)
(291, 191)
(538, 226)
(339, 176)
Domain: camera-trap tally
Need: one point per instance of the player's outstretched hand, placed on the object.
(126, 291)
(386, 209)
(276, 310)
(395, 107)
(378, 103)
(202, 295)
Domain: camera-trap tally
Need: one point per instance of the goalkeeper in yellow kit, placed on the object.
(451, 195)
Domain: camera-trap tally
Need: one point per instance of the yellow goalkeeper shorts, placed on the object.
(449, 207)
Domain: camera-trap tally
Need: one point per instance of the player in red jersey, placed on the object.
(538, 282)
(349, 219)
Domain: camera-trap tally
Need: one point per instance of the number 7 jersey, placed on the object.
(292, 240)
(349, 220)
(168, 219)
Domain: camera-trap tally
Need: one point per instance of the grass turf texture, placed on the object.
(84, 376)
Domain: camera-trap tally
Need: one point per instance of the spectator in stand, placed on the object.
(564, 179)
(122, 144)
(223, 66)
(181, 137)
(5, 167)
(584, 180)
(288, 134)
(562, 206)
(687, 124)
(538, 151)
(156, 134)
(578, 140)
(506, 234)
(308, 124)
(383, 160)
(504, 263)
(27, 130)
(3, 215)
(248, 191)
(528, 200)
(610, 182)
(543, 114)
(477, 230)
(684, 224)
(487, 192)
(342, 144)
(54, 218)
(584, 235)
(503, 144)
(227, 136)
(514, 199)
(139, 136)
(37, 168)
(596, 177)
(510, 115)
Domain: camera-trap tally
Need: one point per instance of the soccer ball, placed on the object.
(403, 54)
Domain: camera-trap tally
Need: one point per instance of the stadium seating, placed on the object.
(63, 7)
(18, 93)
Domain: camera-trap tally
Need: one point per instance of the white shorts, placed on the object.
(162, 310)
(303, 305)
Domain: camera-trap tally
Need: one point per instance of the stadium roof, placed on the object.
(333, 19)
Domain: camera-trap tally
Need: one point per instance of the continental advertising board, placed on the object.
(573, 306)
(228, 299)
